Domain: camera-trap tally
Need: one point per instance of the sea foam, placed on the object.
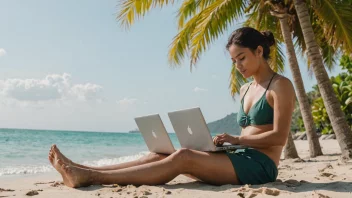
(34, 169)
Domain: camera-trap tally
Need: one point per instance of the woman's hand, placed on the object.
(220, 139)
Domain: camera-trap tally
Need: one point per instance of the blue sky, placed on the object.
(68, 65)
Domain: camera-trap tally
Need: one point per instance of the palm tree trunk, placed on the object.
(338, 121)
(306, 110)
(290, 150)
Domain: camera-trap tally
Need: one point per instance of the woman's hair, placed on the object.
(251, 38)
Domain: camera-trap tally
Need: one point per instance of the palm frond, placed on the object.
(190, 8)
(187, 9)
(236, 81)
(251, 5)
(181, 42)
(206, 20)
(330, 56)
(336, 20)
(135, 9)
(298, 38)
(277, 60)
(252, 16)
(213, 21)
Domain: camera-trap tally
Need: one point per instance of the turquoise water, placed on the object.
(25, 151)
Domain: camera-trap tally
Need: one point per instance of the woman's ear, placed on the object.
(260, 51)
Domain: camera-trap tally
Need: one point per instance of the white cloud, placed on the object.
(197, 89)
(2, 52)
(53, 87)
(127, 101)
(86, 91)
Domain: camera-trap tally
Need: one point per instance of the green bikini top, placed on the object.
(260, 113)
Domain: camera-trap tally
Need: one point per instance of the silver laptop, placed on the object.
(193, 133)
(154, 134)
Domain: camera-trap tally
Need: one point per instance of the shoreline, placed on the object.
(323, 176)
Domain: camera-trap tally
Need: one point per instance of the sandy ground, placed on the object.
(324, 176)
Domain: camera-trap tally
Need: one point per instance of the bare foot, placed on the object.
(60, 155)
(54, 160)
(76, 177)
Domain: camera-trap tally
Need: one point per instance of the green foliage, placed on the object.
(346, 63)
(342, 85)
(297, 121)
(321, 117)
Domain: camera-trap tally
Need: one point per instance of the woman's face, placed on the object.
(246, 61)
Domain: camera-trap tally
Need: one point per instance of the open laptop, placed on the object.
(193, 133)
(154, 134)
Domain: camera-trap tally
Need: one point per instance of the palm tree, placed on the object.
(290, 150)
(337, 117)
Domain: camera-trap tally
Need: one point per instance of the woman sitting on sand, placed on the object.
(265, 116)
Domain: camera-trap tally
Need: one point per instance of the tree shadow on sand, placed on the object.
(289, 185)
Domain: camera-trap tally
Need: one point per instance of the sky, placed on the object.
(69, 65)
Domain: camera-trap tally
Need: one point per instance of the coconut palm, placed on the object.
(342, 38)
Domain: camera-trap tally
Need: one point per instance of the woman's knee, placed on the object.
(182, 155)
(152, 157)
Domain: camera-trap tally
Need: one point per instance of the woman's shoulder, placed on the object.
(280, 80)
(244, 86)
(282, 84)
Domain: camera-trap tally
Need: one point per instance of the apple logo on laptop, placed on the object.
(154, 134)
(189, 130)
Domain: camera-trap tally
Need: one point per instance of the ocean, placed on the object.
(24, 152)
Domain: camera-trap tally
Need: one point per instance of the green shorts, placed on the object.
(252, 166)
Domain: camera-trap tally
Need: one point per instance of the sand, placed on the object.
(320, 177)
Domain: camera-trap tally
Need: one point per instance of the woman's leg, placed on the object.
(213, 168)
(56, 154)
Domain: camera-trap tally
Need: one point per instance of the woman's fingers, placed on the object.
(220, 139)
(215, 139)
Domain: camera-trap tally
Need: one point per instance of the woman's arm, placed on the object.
(284, 100)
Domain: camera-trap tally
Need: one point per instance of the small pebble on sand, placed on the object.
(32, 193)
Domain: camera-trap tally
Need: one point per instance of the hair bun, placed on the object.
(269, 36)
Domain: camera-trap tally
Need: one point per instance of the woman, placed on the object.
(265, 116)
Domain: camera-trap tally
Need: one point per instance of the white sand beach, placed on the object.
(321, 177)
